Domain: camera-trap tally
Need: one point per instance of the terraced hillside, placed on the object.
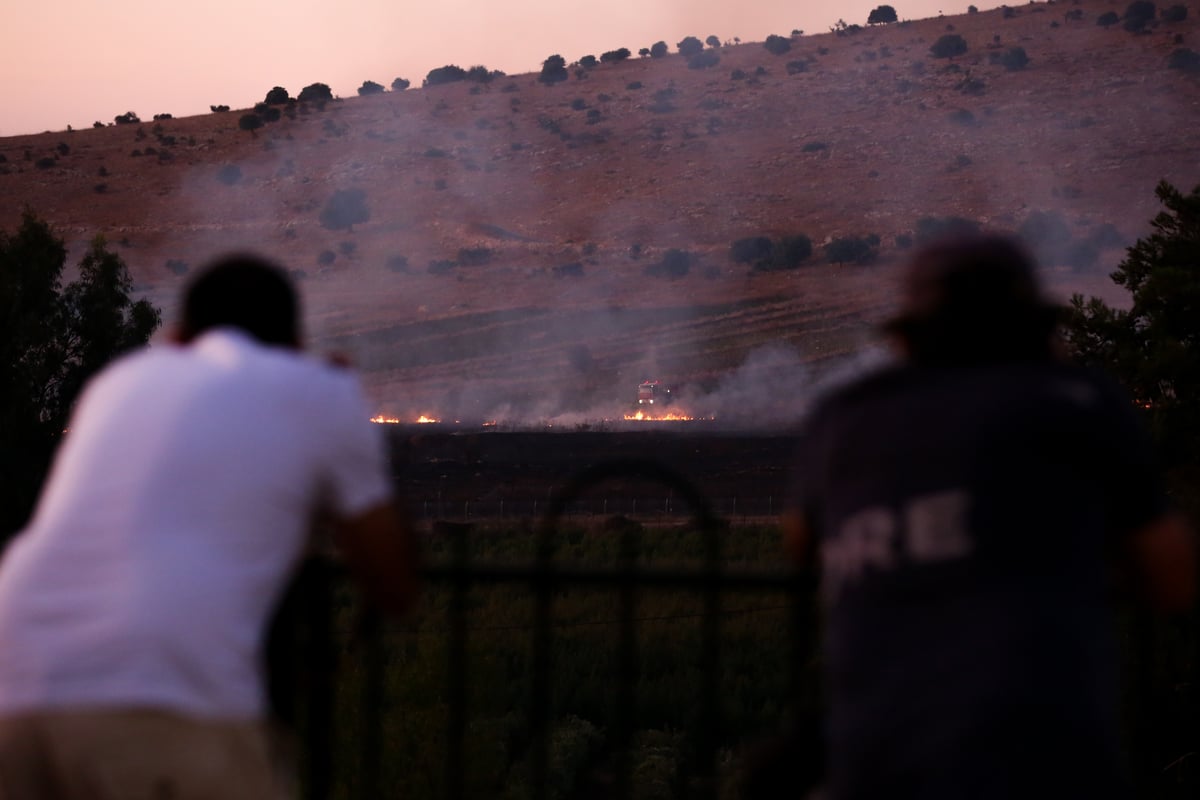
(506, 248)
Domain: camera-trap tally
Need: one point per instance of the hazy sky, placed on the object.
(76, 61)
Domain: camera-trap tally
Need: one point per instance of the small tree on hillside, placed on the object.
(777, 45)
(277, 96)
(615, 56)
(1176, 13)
(1108, 19)
(250, 122)
(1138, 15)
(370, 87)
(451, 73)
(589, 62)
(713, 42)
(315, 92)
(554, 70)
(689, 46)
(881, 15)
(658, 49)
(400, 84)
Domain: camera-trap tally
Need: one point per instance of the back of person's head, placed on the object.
(974, 300)
(246, 292)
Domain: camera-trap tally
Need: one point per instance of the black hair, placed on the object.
(242, 291)
(974, 300)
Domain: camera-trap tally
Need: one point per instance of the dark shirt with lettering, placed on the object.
(966, 520)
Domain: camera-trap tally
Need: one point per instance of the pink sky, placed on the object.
(76, 61)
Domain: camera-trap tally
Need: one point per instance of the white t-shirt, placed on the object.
(177, 507)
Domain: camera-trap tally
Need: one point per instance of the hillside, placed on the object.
(506, 268)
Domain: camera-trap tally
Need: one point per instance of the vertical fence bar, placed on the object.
(456, 666)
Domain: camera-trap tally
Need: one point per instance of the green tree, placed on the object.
(689, 46)
(345, 209)
(370, 87)
(1153, 347)
(250, 122)
(315, 92)
(658, 49)
(277, 96)
(52, 339)
(948, 46)
(554, 69)
(400, 84)
(881, 15)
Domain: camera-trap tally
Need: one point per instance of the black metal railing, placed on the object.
(340, 651)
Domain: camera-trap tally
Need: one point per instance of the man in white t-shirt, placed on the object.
(133, 606)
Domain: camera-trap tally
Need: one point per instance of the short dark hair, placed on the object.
(243, 291)
(974, 299)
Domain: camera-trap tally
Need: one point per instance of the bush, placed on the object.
(738, 75)
(270, 114)
(218, 109)
(615, 56)
(345, 209)
(948, 46)
(128, 118)
(932, 228)
(675, 263)
(751, 249)
(315, 92)
(1184, 59)
(326, 258)
(440, 266)
(572, 270)
(1138, 15)
(713, 42)
(554, 70)
(689, 45)
(397, 263)
(1107, 19)
(451, 73)
(658, 49)
(474, 256)
(45, 162)
(589, 62)
(481, 74)
(277, 96)
(400, 84)
(881, 15)
(250, 122)
(1014, 59)
(370, 87)
(814, 147)
(777, 45)
(790, 251)
(849, 250)
(176, 266)
(1175, 13)
(796, 67)
(229, 174)
(703, 60)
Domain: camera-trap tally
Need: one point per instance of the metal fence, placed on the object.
(1163, 737)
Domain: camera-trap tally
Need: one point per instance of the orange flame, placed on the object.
(666, 416)
(424, 420)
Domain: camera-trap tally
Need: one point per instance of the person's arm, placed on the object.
(797, 537)
(381, 553)
(1162, 559)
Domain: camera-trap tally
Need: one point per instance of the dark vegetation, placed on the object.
(52, 339)
(345, 209)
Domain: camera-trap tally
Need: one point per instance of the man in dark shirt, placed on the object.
(966, 506)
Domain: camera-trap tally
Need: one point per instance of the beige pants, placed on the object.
(133, 755)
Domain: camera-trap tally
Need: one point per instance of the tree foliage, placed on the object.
(52, 339)
(777, 45)
(277, 96)
(400, 84)
(370, 87)
(345, 209)
(315, 92)
(554, 70)
(658, 49)
(689, 46)
(451, 73)
(1153, 347)
(881, 15)
(615, 56)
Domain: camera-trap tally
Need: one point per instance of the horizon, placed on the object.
(56, 78)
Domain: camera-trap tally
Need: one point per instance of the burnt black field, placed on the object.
(445, 471)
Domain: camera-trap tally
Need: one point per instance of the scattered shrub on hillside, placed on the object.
(644, 52)
(881, 15)
(633, 86)
(594, 116)
(474, 256)
(659, 49)
(250, 122)
(397, 263)
(1176, 13)
(615, 56)
(481, 74)
(156, 116)
(554, 70)
(45, 162)
(675, 263)
(972, 10)
(1014, 58)
(400, 84)
(229, 174)
(689, 45)
(712, 41)
(814, 147)
(326, 257)
(451, 73)
(851, 250)
(277, 96)
(1008, 12)
(751, 249)
(315, 92)
(789, 252)
(578, 104)
(796, 67)
(931, 228)
(904, 240)
(777, 45)
(971, 85)
(948, 45)
(128, 118)
(704, 60)
(440, 266)
(1108, 19)
(345, 209)
(176, 266)
(63, 148)
(347, 248)
(738, 75)
(962, 116)
(1184, 59)
(589, 62)
(215, 109)
(370, 87)
(572, 270)
(1138, 15)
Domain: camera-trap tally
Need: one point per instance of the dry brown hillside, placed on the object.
(506, 268)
